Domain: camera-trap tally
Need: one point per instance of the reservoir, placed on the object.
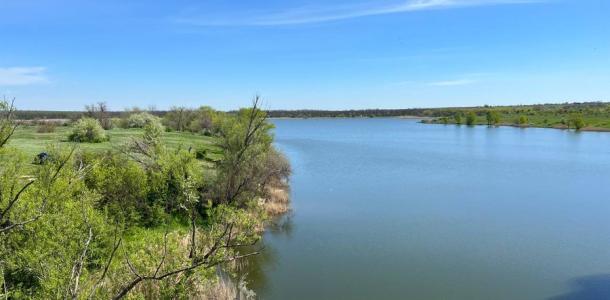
(395, 209)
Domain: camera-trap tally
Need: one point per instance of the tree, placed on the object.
(244, 140)
(493, 117)
(522, 121)
(458, 118)
(204, 120)
(178, 118)
(100, 112)
(7, 122)
(471, 118)
(576, 120)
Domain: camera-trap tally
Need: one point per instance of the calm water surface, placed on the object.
(394, 209)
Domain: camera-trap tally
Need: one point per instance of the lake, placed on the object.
(395, 209)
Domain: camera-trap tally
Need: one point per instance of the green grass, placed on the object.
(31, 142)
(595, 115)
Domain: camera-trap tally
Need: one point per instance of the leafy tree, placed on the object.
(244, 140)
(493, 118)
(522, 121)
(178, 118)
(471, 118)
(204, 121)
(576, 120)
(458, 118)
(88, 130)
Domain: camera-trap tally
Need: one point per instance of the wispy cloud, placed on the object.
(456, 82)
(333, 13)
(13, 76)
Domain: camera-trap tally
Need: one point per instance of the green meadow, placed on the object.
(31, 142)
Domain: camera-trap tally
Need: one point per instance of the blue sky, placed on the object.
(318, 54)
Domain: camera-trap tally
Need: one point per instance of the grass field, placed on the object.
(595, 116)
(31, 142)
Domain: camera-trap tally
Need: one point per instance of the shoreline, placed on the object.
(584, 129)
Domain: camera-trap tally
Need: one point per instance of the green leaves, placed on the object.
(88, 130)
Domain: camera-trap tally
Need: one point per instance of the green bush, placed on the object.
(88, 130)
(471, 118)
(576, 121)
(139, 120)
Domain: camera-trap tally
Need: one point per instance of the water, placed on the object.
(395, 209)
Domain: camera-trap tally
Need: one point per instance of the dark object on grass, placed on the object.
(201, 154)
(41, 158)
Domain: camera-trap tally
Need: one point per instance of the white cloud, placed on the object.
(327, 14)
(456, 82)
(14, 76)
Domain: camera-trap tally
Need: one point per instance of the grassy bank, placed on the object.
(31, 142)
(580, 116)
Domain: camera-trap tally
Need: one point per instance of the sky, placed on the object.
(296, 54)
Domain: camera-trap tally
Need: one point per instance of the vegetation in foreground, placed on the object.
(147, 214)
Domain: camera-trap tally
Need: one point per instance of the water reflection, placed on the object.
(254, 271)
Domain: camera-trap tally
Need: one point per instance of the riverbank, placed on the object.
(433, 121)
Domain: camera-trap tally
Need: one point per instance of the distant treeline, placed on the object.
(363, 113)
(601, 109)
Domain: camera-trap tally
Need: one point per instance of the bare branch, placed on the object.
(203, 261)
(77, 268)
(15, 199)
(114, 249)
(164, 254)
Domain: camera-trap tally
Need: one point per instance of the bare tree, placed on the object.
(99, 111)
(7, 122)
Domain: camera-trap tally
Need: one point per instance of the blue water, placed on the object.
(395, 209)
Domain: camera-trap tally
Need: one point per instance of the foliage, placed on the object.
(576, 121)
(139, 120)
(458, 118)
(492, 117)
(88, 130)
(522, 120)
(471, 118)
(204, 120)
(141, 222)
(7, 123)
(244, 139)
(100, 112)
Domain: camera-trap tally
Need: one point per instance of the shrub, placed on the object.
(139, 120)
(88, 130)
(522, 121)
